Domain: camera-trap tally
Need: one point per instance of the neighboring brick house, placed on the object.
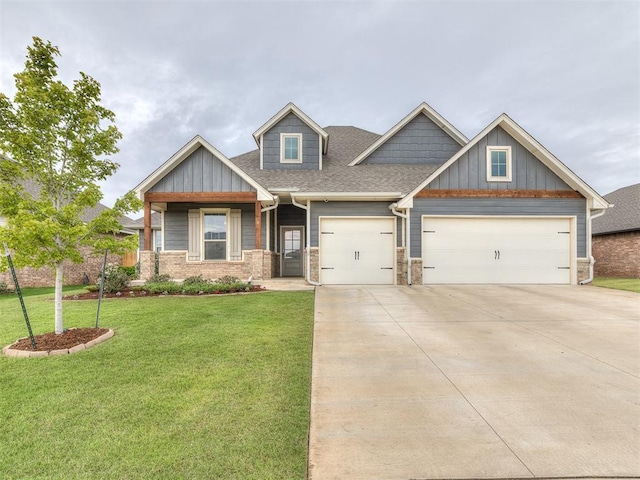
(616, 235)
(74, 273)
(420, 204)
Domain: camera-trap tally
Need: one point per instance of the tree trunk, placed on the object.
(58, 299)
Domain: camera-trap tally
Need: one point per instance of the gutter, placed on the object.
(591, 259)
(407, 236)
(267, 209)
(307, 207)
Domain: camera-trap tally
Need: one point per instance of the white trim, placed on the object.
(227, 240)
(430, 113)
(261, 154)
(594, 200)
(283, 137)
(182, 154)
(162, 228)
(346, 196)
(319, 152)
(286, 110)
(498, 148)
(302, 247)
(573, 240)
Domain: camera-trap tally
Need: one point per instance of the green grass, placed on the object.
(629, 284)
(199, 387)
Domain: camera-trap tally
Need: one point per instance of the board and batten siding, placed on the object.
(176, 224)
(350, 209)
(271, 145)
(201, 172)
(499, 206)
(420, 141)
(470, 170)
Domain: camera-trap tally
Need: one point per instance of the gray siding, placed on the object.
(271, 145)
(350, 209)
(176, 224)
(419, 141)
(470, 170)
(202, 172)
(498, 206)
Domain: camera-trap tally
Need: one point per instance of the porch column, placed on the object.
(258, 224)
(147, 225)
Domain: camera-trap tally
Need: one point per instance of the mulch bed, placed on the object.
(68, 339)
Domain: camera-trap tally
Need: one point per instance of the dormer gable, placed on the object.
(291, 140)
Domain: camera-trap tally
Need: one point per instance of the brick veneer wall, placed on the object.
(416, 271)
(315, 264)
(617, 254)
(258, 264)
(401, 267)
(73, 272)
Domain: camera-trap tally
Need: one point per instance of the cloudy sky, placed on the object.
(567, 71)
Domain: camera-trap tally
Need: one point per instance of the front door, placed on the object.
(292, 241)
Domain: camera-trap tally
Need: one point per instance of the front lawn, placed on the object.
(629, 284)
(197, 387)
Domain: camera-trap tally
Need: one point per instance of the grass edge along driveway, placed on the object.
(195, 387)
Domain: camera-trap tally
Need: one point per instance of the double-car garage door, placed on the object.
(497, 250)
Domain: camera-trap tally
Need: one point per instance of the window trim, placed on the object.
(499, 148)
(282, 147)
(203, 212)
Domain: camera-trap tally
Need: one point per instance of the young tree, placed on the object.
(57, 140)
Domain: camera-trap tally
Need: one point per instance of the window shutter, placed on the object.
(195, 236)
(235, 235)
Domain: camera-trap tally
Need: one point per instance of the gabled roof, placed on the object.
(182, 154)
(138, 223)
(291, 108)
(595, 201)
(624, 215)
(337, 179)
(423, 109)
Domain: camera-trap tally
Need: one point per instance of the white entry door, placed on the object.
(357, 250)
(505, 250)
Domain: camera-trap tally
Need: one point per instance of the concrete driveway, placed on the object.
(475, 382)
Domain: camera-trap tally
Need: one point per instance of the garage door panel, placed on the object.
(496, 250)
(357, 250)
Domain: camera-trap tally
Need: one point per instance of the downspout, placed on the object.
(591, 259)
(267, 209)
(307, 207)
(407, 242)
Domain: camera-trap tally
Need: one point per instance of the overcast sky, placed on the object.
(567, 71)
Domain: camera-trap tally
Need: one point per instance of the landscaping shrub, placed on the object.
(157, 278)
(129, 271)
(4, 288)
(215, 288)
(162, 287)
(228, 280)
(195, 280)
(114, 279)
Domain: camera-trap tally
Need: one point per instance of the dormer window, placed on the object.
(290, 148)
(499, 164)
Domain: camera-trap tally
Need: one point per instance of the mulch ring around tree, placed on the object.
(50, 343)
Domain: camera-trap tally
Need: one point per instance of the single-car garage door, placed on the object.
(357, 250)
(497, 250)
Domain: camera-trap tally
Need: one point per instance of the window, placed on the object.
(498, 164)
(215, 236)
(157, 240)
(291, 148)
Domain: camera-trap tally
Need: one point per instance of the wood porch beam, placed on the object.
(199, 197)
(452, 193)
(258, 223)
(147, 225)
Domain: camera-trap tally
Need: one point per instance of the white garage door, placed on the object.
(357, 250)
(496, 250)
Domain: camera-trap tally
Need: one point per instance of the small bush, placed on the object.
(196, 280)
(214, 288)
(157, 278)
(161, 287)
(228, 280)
(129, 271)
(114, 279)
(4, 288)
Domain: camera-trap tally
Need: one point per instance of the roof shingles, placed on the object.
(624, 216)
